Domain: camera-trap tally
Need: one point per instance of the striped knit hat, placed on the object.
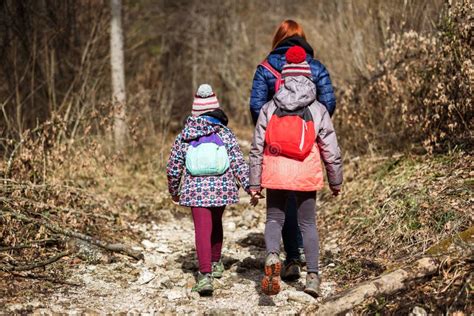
(204, 101)
(296, 63)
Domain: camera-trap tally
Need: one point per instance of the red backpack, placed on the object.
(289, 133)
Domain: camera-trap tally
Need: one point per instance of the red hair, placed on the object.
(287, 29)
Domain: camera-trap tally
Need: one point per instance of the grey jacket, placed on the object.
(298, 92)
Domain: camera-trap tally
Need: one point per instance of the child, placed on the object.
(293, 133)
(206, 152)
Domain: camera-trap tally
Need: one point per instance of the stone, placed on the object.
(300, 297)
(145, 276)
(174, 294)
(231, 227)
(418, 311)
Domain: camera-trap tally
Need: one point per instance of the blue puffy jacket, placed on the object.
(263, 87)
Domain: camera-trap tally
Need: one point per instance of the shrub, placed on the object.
(420, 95)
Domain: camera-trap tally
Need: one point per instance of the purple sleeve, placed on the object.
(176, 166)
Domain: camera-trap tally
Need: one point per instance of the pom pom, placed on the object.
(204, 91)
(295, 55)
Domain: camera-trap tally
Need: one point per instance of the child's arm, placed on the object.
(256, 151)
(330, 152)
(238, 165)
(175, 166)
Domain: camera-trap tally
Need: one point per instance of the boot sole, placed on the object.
(206, 292)
(271, 280)
(312, 292)
(291, 277)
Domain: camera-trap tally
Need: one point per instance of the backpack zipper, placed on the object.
(304, 128)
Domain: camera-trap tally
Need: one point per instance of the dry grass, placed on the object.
(393, 210)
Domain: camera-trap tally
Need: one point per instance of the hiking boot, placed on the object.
(302, 257)
(313, 282)
(290, 270)
(271, 280)
(217, 269)
(204, 284)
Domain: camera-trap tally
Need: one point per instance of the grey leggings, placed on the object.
(306, 204)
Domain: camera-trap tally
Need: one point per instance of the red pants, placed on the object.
(208, 235)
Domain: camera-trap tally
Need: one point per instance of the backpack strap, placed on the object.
(265, 64)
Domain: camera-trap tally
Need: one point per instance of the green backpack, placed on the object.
(207, 156)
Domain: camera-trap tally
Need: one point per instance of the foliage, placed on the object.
(419, 95)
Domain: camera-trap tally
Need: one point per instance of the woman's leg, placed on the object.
(276, 200)
(307, 221)
(217, 234)
(202, 228)
(291, 234)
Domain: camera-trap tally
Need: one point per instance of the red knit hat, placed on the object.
(295, 55)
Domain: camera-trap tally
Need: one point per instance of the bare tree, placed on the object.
(118, 74)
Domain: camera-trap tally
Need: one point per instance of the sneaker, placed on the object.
(204, 284)
(217, 269)
(291, 270)
(302, 257)
(313, 282)
(271, 280)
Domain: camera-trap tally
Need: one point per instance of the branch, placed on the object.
(66, 232)
(387, 284)
(39, 264)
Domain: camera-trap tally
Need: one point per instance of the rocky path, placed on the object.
(163, 281)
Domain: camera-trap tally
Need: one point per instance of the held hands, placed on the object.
(335, 191)
(255, 196)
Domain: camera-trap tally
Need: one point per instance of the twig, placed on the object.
(63, 231)
(39, 264)
(43, 277)
(31, 244)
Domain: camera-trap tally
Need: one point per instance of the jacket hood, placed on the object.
(197, 127)
(296, 92)
(277, 56)
(217, 116)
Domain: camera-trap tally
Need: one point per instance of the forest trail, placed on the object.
(163, 281)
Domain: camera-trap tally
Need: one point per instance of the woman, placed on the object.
(289, 34)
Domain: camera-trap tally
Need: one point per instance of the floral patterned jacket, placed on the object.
(206, 191)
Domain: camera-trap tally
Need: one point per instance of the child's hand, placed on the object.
(335, 191)
(175, 199)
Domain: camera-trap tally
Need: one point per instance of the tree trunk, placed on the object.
(118, 74)
(386, 284)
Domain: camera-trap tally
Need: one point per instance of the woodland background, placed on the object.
(402, 70)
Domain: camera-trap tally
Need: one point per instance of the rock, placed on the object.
(418, 311)
(165, 282)
(163, 248)
(300, 297)
(174, 294)
(148, 244)
(231, 227)
(153, 260)
(88, 252)
(145, 277)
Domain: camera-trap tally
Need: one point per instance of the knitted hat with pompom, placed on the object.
(204, 100)
(296, 63)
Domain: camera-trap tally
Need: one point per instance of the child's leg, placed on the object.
(276, 200)
(217, 235)
(307, 222)
(202, 228)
